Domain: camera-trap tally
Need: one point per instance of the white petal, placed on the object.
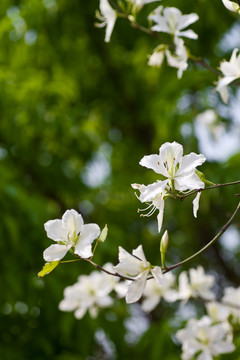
(150, 303)
(83, 251)
(73, 221)
(224, 94)
(136, 288)
(80, 312)
(196, 204)
(152, 191)
(157, 274)
(55, 252)
(171, 153)
(188, 33)
(138, 252)
(160, 220)
(190, 182)
(128, 264)
(153, 162)
(88, 234)
(225, 81)
(189, 163)
(231, 5)
(187, 20)
(56, 230)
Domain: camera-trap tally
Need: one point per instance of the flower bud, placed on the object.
(164, 243)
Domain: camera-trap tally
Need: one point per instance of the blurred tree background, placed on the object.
(77, 115)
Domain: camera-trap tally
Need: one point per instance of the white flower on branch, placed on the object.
(155, 291)
(138, 268)
(70, 232)
(231, 5)
(231, 71)
(108, 16)
(89, 293)
(172, 22)
(180, 172)
(232, 297)
(197, 285)
(176, 59)
(205, 339)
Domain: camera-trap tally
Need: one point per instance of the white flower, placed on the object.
(231, 71)
(231, 5)
(172, 22)
(108, 17)
(180, 172)
(136, 267)
(217, 311)
(70, 232)
(232, 297)
(89, 293)
(155, 291)
(179, 58)
(154, 195)
(157, 57)
(204, 339)
(198, 285)
(178, 169)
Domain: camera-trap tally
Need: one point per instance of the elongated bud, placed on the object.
(164, 247)
(103, 234)
(202, 177)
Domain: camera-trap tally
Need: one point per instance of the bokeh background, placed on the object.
(77, 115)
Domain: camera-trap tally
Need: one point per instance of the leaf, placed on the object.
(48, 267)
(103, 234)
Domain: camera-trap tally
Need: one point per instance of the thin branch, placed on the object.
(106, 271)
(181, 197)
(223, 229)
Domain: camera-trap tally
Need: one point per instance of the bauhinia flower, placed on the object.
(173, 22)
(177, 59)
(70, 232)
(232, 297)
(180, 172)
(231, 5)
(136, 267)
(231, 71)
(89, 293)
(155, 291)
(108, 16)
(205, 340)
(198, 285)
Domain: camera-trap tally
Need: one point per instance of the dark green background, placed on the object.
(62, 99)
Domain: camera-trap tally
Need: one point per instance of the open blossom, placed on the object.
(70, 232)
(89, 293)
(231, 71)
(155, 291)
(231, 5)
(136, 267)
(198, 284)
(173, 22)
(205, 339)
(108, 17)
(180, 172)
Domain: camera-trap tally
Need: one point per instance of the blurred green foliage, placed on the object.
(68, 102)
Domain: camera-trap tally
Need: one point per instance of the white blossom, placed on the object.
(231, 5)
(217, 311)
(232, 297)
(180, 172)
(197, 285)
(137, 268)
(89, 293)
(205, 339)
(70, 232)
(155, 291)
(172, 22)
(157, 57)
(179, 58)
(108, 16)
(231, 71)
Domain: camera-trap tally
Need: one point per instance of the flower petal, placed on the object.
(189, 163)
(128, 265)
(188, 33)
(88, 234)
(190, 182)
(73, 221)
(196, 204)
(157, 274)
(138, 252)
(55, 252)
(56, 230)
(187, 20)
(136, 288)
(154, 162)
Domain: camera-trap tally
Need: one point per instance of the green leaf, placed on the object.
(103, 234)
(48, 267)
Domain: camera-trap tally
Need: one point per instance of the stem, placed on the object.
(69, 261)
(181, 197)
(106, 271)
(223, 229)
